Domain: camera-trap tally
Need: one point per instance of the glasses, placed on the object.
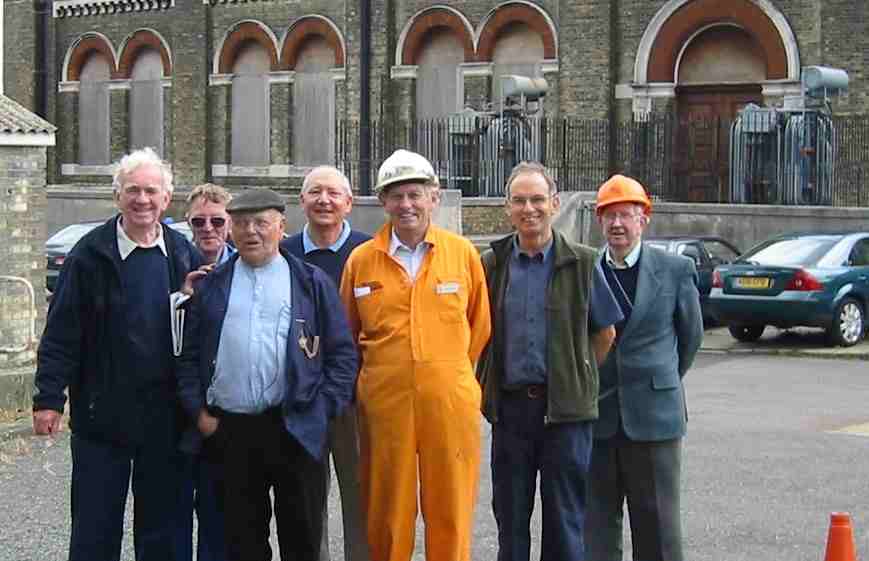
(216, 221)
(623, 217)
(536, 201)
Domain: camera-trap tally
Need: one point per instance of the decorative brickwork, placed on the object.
(304, 29)
(142, 39)
(506, 14)
(430, 19)
(242, 33)
(83, 48)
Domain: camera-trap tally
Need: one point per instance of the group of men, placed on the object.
(379, 350)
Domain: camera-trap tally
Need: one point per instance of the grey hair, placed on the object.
(532, 167)
(306, 183)
(141, 157)
(210, 192)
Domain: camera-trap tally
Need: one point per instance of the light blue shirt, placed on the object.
(225, 253)
(250, 371)
(308, 244)
(630, 259)
(410, 259)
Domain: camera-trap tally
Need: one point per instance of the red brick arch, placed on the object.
(515, 13)
(241, 34)
(304, 29)
(83, 49)
(426, 22)
(142, 39)
(693, 16)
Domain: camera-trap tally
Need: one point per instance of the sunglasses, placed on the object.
(216, 221)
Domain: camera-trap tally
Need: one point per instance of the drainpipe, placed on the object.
(40, 85)
(365, 97)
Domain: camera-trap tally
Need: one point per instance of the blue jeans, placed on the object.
(522, 445)
(101, 474)
(200, 492)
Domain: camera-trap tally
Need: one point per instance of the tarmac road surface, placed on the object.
(775, 443)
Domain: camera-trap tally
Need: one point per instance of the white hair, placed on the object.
(306, 184)
(142, 157)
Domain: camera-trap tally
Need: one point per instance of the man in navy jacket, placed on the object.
(268, 361)
(108, 340)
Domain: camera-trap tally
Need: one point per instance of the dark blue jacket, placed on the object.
(318, 388)
(84, 341)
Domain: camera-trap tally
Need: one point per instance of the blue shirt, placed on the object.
(250, 371)
(525, 326)
(309, 245)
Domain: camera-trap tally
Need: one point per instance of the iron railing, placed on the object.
(677, 160)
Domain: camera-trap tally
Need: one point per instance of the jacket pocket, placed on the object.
(665, 380)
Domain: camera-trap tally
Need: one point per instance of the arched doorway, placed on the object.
(719, 71)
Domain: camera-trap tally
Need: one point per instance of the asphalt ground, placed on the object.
(775, 444)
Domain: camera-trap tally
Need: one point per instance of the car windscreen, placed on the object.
(799, 252)
(663, 246)
(71, 234)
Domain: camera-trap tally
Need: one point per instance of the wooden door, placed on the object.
(702, 156)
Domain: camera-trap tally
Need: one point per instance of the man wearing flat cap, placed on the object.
(268, 361)
(419, 310)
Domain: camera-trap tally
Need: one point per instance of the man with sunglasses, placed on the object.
(210, 223)
(207, 216)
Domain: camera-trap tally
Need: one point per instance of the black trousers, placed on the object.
(259, 456)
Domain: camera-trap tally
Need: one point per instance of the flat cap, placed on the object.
(255, 200)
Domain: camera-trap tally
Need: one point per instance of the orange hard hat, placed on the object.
(622, 189)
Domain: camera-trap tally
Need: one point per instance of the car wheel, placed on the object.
(848, 323)
(746, 333)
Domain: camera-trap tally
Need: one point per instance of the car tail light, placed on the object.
(59, 260)
(716, 279)
(804, 282)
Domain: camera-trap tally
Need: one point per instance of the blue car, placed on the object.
(814, 280)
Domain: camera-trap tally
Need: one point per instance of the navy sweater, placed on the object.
(331, 263)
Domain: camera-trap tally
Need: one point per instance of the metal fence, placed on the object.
(697, 160)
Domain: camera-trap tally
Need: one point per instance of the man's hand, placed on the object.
(193, 276)
(207, 423)
(46, 421)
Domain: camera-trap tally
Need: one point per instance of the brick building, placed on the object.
(246, 92)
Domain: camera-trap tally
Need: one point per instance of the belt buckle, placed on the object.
(534, 391)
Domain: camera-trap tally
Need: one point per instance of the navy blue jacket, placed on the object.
(84, 341)
(318, 388)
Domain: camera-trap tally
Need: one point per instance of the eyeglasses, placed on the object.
(536, 201)
(216, 221)
(623, 217)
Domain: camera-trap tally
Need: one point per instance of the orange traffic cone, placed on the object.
(840, 540)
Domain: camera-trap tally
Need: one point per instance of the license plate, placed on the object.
(752, 282)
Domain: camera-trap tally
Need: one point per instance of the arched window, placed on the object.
(723, 54)
(250, 106)
(146, 101)
(439, 88)
(518, 50)
(314, 103)
(93, 110)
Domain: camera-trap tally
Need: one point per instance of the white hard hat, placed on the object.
(404, 165)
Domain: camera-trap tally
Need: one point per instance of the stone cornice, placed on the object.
(84, 8)
(221, 2)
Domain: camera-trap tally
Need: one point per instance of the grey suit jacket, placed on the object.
(641, 378)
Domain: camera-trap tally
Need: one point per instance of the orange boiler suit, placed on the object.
(418, 399)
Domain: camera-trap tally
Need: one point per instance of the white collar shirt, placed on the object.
(410, 259)
(630, 260)
(126, 245)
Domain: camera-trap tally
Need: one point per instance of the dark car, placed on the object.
(60, 244)
(707, 252)
(814, 280)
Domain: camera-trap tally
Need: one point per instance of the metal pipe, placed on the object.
(365, 97)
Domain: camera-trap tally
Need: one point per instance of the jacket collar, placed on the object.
(298, 271)
(563, 252)
(648, 286)
(383, 237)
